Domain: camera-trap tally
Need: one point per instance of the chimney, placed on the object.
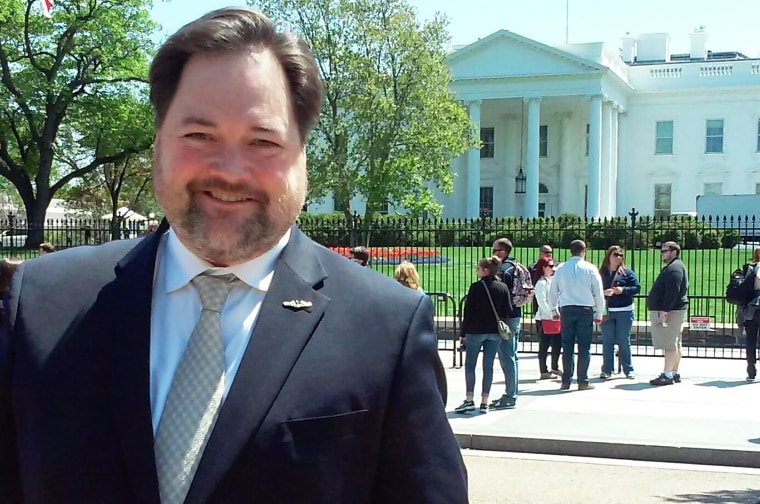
(698, 44)
(653, 47)
(629, 48)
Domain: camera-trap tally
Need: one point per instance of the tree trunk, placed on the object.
(35, 217)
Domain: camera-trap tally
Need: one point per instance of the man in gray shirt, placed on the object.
(577, 290)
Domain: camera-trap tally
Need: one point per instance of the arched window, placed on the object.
(542, 189)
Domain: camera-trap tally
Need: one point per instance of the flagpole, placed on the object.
(567, 21)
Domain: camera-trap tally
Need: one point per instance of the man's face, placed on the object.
(545, 253)
(499, 251)
(229, 164)
(667, 254)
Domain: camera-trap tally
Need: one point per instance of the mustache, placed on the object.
(221, 186)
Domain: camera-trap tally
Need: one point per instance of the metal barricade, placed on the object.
(447, 324)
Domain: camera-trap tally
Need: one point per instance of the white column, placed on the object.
(614, 139)
(604, 203)
(531, 158)
(511, 161)
(595, 157)
(473, 167)
(622, 203)
(566, 183)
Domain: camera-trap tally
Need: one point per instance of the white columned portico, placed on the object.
(614, 140)
(621, 198)
(605, 209)
(531, 158)
(473, 166)
(594, 157)
(566, 183)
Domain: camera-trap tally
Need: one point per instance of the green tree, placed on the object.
(72, 94)
(389, 126)
(113, 185)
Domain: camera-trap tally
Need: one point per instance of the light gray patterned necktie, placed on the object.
(195, 395)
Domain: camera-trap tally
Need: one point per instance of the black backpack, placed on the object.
(741, 287)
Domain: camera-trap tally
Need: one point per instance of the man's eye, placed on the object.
(197, 136)
(263, 143)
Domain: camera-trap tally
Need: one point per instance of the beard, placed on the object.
(226, 240)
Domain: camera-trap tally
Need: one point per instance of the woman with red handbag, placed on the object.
(550, 328)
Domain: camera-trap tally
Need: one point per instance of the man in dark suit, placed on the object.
(226, 357)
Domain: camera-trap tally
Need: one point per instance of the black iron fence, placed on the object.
(446, 252)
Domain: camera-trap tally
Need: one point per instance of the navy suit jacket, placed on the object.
(340, 404)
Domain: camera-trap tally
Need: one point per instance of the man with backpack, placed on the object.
(517, 278)
(743, 290)
(667, 303)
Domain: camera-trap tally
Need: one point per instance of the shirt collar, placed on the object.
(182, 265)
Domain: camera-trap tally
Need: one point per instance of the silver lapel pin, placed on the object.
(298, 304)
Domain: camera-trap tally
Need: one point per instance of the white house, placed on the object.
(586, 129)
(596, 130)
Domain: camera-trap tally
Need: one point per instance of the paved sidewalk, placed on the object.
(711, 417)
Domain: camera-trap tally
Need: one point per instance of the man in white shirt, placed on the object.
(577, 290)
(225, 357)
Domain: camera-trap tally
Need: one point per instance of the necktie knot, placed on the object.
(213, 289)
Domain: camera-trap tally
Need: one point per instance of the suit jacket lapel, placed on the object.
(278, 338)
(125, 307)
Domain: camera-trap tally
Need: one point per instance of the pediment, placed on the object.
(506, 54)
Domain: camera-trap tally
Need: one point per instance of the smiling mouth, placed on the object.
(227, 198)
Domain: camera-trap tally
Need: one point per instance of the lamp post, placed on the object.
(520, 182)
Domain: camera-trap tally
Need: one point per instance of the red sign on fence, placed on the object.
(700, 323)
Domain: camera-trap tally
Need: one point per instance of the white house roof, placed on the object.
(507, 54)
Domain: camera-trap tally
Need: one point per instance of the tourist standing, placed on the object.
(749, 317)
(549, 334)
(620, 285)
(577, 287)
(667, 303)
(480, 330)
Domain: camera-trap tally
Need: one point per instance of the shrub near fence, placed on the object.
(711, 250)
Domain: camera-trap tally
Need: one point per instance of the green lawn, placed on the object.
(708, 274)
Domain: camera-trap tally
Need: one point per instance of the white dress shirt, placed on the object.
(577, 283)
(176, 309)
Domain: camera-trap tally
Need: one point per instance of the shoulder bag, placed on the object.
(504, 330)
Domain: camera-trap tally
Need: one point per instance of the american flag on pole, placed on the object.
(45, 6)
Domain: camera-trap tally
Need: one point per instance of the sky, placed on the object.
(731, 24)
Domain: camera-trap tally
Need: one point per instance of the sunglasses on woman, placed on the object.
(617, 254)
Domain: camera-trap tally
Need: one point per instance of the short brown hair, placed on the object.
(577, 246)
(235, 30)
(672, 246)
(360, 253)
(47, 247)
(504, 243)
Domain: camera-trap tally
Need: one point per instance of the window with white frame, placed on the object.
(758, 135)
(383, 210)
(486, 201)
(662, 200)
(714, 143)
(712, 188)
(338, 205)
(487, 138)
(543, 141)
(757, 187)
(663, 137)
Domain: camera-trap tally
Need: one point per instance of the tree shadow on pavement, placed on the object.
(724, 384)
(718, 497)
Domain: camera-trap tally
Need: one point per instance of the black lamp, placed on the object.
(520, 182)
